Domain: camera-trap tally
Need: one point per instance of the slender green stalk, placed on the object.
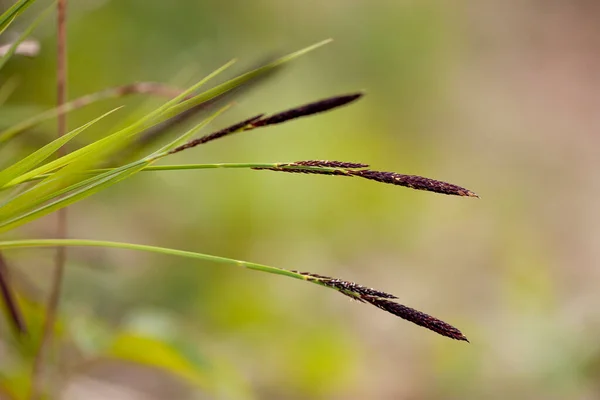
(362, 294)
(182, 167)
(161, 250)
(319, 167)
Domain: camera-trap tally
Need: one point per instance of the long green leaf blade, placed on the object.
(75, 104)
(109, 143)
(240, 80)
(30, 204)
(187, 135)
(97, 184)
(16, 170)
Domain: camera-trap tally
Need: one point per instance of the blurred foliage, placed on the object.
(493, 95)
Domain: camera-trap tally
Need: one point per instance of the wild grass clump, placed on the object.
(322, 167)
(49, 179)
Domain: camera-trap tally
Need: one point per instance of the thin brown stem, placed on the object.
(152, 88)
(8, 298)
(62, 222)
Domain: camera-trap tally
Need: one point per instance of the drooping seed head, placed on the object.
(309, 109)
(385, 302)
(417, 317)
(354, 169)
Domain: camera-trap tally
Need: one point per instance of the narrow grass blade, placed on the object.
(31, 204)
(52, 188)
(22, 166)
(150, 136)
(13, 12)
(114, 92)
(94, 185)
(240, 80)
(110, 144)
(187, 135)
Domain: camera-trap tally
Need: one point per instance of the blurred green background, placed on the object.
(499, 97)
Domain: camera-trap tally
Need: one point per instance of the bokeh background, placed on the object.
(499, 97)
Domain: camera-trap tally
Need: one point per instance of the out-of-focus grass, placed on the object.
(451, 95)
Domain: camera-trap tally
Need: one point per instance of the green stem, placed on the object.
(178, 167)
(12, 244)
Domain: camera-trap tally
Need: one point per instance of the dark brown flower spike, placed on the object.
(152, 134)
(414, 182)
(240, 126)
(259, 122)
(309, 109)
(8, 298)
(393, 178)
(349, 288)
(383, 301)
(293, 170)
(418, 318)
